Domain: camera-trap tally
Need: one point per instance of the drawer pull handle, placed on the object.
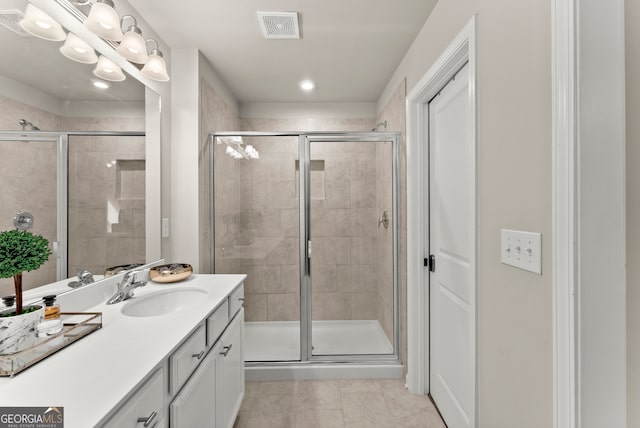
(241, 299)
(147, 421)
(226, 350)
(198, 356)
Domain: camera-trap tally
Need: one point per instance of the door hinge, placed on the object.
(430, 263)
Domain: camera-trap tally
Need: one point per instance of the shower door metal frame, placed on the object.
(61, 139)
(304, 143)
(348, 137)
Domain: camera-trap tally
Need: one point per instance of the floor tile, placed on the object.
(370, 403)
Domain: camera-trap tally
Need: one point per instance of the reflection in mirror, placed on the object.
(85, 189)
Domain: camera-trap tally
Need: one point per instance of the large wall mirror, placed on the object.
(74, 152)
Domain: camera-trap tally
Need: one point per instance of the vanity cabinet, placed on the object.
(200, 384)
(213, 394)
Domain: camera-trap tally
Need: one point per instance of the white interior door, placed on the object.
(452, 246)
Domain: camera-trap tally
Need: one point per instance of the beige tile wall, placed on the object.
(215, 115)
(257, 230)
(28, 182)
(98, 240)
(343, 232)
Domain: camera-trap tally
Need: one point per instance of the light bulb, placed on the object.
(108, 70)
(39, 24)
(104, 21)
(78, 50)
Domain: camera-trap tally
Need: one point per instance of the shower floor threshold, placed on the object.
(280, 340)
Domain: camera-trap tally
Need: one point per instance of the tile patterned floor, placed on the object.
(335, 404)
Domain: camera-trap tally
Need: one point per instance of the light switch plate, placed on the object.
(165, 227)
(522, 250)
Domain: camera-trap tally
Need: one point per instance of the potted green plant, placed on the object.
(20, 251)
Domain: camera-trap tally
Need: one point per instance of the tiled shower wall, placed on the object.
(215, 115)
(345, 205)
(106, 203)
(344, 232)
(28, 179)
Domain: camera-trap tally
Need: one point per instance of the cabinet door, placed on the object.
(144, 408)
(194, 406)
(230, 373)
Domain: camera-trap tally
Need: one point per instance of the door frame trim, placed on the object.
(564, 210)
(460, 51)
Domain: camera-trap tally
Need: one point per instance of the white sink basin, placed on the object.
(164, 302)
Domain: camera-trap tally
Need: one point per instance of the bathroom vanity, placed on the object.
(171, 356)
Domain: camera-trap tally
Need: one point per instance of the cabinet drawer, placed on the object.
(236, 300)
(186, 358)
(144, 408)
(216, 323)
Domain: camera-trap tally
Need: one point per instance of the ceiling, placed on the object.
(350, 48)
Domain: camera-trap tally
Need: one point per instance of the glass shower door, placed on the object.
(351, 229)
(28, 179)
(257, 217)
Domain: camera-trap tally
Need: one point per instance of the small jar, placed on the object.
(51, 308)
(9, 301)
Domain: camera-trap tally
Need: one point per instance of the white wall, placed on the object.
(601, 212)
(514, 191)
(632, 28)
(185, 135)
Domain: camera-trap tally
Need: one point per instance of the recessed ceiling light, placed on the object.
(100, 84)
(307, 85)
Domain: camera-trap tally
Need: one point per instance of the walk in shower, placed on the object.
(86, 192)
(311, 218)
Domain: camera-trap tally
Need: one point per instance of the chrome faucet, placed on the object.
(126, 287)
(84, 277)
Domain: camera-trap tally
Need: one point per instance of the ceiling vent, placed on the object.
(279, 25)
(10, 19)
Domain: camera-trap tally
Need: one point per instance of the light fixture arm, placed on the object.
(155, 51)
(107, 2)
(133, 27)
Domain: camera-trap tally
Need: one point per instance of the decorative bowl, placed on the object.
(172, 272)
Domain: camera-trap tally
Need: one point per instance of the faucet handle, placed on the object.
(84, 276)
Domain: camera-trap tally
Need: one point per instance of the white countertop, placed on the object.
(90, 377)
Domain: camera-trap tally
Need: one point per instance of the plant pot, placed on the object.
(19, 332)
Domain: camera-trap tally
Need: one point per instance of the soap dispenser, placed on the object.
(51, 308)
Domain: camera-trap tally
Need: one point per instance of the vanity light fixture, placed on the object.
(78, 50)
(235, 148)
(104, 21)
(155, 68)
(108, 70)
(307, 85)
(133, 46)
(39, 24)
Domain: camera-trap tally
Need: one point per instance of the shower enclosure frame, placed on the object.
(306, 334)
(61, 139)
